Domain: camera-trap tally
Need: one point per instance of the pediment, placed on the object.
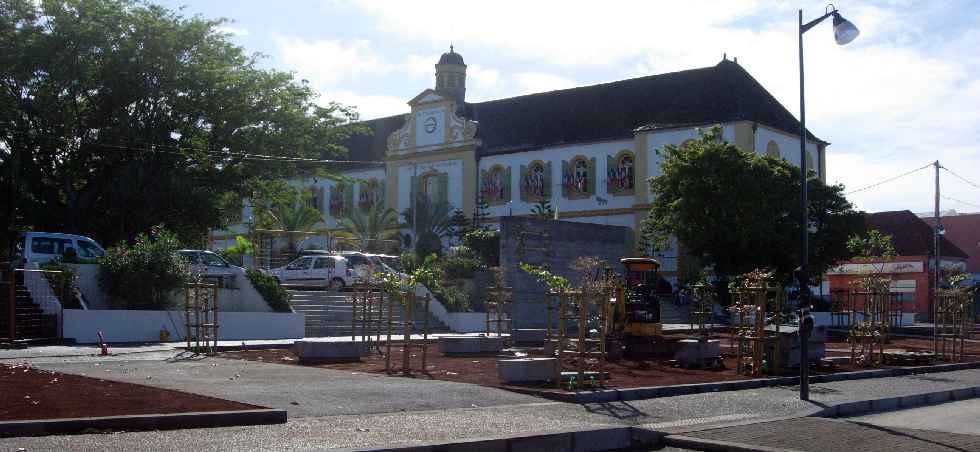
(427, 97)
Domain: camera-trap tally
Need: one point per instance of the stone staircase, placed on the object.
(30, 322)
(330, 313)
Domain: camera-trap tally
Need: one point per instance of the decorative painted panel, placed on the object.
(341, 200)
(535, 181)
(370, 192)
(578, 177)
(495, 185)
(620, 174)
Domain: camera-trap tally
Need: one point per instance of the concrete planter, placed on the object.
(470, 345)
(311, 350)
(526, 369)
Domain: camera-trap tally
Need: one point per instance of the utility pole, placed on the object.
(937, 231)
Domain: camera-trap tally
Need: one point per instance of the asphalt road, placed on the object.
(955, 417)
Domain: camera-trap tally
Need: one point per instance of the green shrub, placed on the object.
(459, 267)
(273, 294)
(460, 251)
(144, 275)
(408, 262)
(62, 283)
(485, 244)
(453, 299)
(429, 243)
(234, 253)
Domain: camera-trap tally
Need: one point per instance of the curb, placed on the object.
(200, 419)
(688, 442)
(582, 440)
(627, 437)
(622, 395)
(898, 402)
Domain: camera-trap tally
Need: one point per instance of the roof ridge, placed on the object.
(594, 85)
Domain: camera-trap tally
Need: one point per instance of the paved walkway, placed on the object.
(333, 409)
(818, 434)
(955, 417)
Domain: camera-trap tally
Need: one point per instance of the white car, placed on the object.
(210, 265)
(322, 270)
(42, 247)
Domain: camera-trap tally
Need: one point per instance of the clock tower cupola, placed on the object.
(451, 77)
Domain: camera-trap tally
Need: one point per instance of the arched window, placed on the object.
(772, 150)
(535, 181)
(620, 173)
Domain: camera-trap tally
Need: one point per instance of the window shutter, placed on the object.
(443, 184)
(481, 182)
(592, 176)
(520, 183)
(507, 184)
(565, 172)
(348, 200)
(413, 192)
(547, 180)
(611, 167)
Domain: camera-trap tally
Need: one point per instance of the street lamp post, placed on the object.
(844, 32)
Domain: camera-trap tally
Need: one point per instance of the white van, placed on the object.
(331, 271)
(41, 247)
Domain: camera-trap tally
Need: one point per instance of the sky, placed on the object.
(905, 93)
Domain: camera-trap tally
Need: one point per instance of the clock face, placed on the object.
(430, 124)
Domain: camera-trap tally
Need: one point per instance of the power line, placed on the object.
(889, 179)
(960, 201)
(178, 150)
(960, 177)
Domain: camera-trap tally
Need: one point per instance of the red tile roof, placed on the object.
(911, 235)
(964, 232)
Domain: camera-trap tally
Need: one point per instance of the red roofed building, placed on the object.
(964, 231)
(911, 270)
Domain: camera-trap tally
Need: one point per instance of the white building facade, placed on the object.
(587, 151)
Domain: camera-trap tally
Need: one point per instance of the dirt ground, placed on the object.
(28, 393)
(483, 370)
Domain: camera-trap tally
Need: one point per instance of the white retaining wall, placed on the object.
(144, 326)
(243, 298)
(458, 322)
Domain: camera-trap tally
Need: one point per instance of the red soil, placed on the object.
(28, 393)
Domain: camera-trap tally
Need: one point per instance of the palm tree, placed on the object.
(430, 221)
(371, 227)
(295, 219)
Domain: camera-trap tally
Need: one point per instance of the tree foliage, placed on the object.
(371, 227)
(738, 211)
(144, 275)
(116, 115)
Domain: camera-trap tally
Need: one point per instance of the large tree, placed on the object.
(738, 211)
(116, 115)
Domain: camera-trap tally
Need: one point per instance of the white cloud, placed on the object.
(904, 93)
(368, 106)
(329, 62)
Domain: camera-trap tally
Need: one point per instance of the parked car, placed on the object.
(374, 262)
(42, 247)
(315, 269)
(211, 265)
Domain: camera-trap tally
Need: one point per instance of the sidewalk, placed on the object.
(335, 409)
(818, 434)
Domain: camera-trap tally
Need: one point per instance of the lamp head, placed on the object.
(844, 30)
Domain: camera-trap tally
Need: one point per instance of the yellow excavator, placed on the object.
(636, 313)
